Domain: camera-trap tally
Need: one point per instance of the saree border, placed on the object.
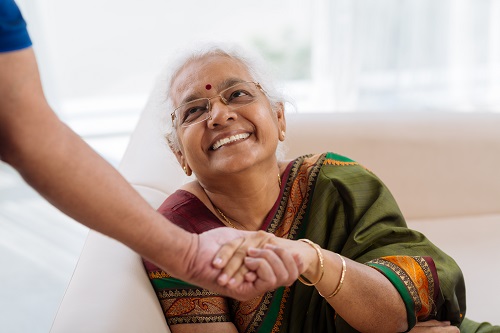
(184, 301)
(415, 281)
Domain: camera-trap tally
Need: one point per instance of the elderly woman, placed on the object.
(365, 270)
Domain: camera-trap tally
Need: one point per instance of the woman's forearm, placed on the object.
(367, 300)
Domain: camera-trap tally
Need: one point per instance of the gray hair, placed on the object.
(254, 66)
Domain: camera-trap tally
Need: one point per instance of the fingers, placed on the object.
(250, 239)
(436, 326)
(250, 276)
(231, 255)
(287, 269)
(231, 261)
(226, 252)
(284, 268)
(266, 279)
(269, 266)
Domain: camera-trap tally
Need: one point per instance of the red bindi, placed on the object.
(208, 86)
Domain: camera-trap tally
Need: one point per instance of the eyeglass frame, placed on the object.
(223, 100)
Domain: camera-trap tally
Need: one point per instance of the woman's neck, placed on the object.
(242, 201)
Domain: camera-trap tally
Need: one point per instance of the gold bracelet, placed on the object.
(321, 263)
(341, 282)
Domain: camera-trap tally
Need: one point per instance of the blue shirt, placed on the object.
(13, 33)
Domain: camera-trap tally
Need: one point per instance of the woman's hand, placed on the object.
(254, 257)
(436, 326)
(260, 248)
(306, 254)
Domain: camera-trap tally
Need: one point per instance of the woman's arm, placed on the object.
(366, 299)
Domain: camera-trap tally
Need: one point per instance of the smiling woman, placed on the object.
(364, 265)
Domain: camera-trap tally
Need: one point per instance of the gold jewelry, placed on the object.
(321, 263)
(226, 220)
(341, 282)
(228, 223)
(283, 134)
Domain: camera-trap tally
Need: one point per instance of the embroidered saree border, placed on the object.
(416, 281)
(287, 221)
(279, 319)
(248, 317)
(185, 306)
(294, 203)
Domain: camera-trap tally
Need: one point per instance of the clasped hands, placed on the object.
(243, 264)
(240, 264)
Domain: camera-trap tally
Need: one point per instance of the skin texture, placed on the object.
(240, 179)
(69, 174)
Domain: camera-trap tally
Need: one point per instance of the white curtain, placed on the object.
(406, 55)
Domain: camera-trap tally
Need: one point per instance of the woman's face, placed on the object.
(229, 141)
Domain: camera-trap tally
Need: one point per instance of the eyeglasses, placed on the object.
(234, 97)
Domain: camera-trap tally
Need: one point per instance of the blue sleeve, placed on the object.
(13, 33)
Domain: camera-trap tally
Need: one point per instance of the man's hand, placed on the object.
(434, 326)
(270, 266)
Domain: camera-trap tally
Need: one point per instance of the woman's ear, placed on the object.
(182, 161)
(280, 113)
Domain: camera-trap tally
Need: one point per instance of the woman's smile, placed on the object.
(230, 139)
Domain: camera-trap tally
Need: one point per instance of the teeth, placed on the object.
(232, 138)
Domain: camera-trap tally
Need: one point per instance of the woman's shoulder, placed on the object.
(334, 165)
(326, 158)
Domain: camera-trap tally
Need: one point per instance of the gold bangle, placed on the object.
(321, 263)
(341, 282)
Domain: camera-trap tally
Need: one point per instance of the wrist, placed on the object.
(314, 263)
(163, 241)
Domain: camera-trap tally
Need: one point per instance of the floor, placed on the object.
(39, 248)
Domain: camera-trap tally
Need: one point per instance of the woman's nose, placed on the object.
(220, 113)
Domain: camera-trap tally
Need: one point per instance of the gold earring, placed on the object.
(283, 134)
(185, 170)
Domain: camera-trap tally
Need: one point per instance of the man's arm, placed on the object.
(74, 178)
(68, 173)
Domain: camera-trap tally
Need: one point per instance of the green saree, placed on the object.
(344, 208)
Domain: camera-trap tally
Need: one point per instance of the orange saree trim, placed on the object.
(420, 279)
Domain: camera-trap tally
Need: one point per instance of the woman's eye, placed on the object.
(193, 112)
(238, 93)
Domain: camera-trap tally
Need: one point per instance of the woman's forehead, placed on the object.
(208, 74)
